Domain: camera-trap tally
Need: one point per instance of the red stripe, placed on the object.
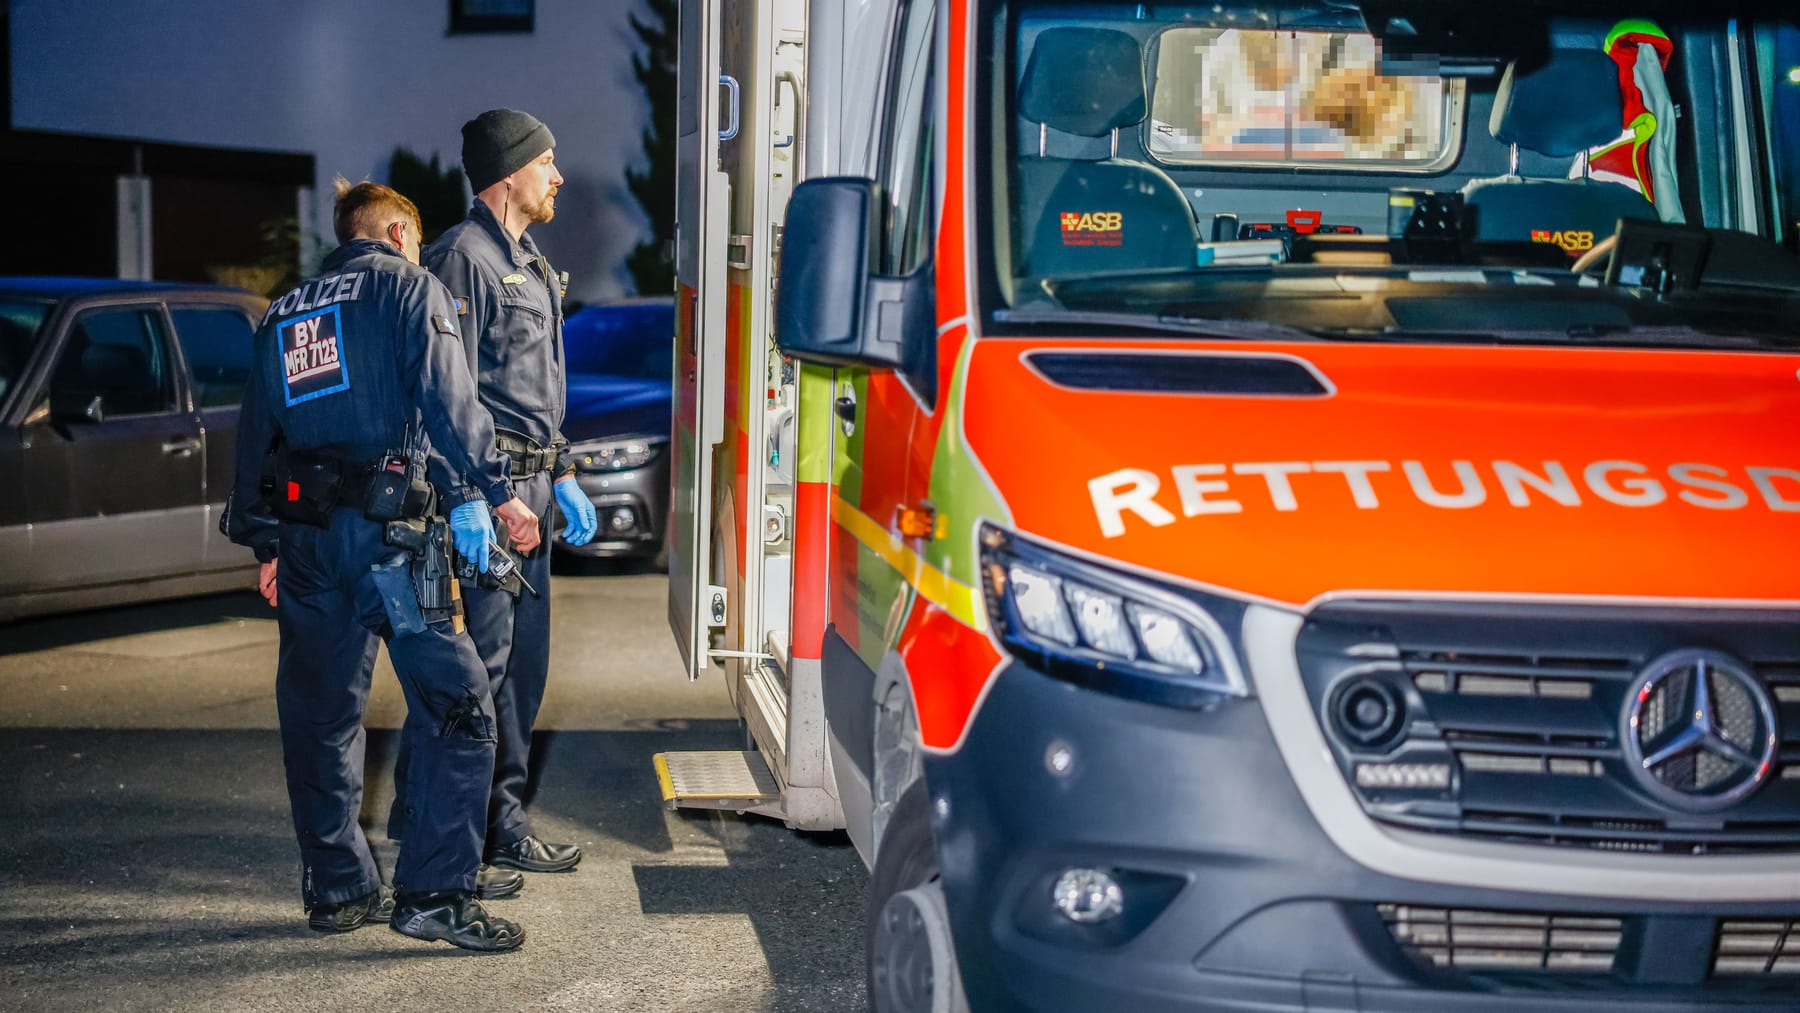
(812, 531)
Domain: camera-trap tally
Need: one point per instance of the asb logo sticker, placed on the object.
(312, 356)
(1573, 241)
(1093, 228)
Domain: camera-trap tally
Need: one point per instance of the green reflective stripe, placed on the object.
(878, 586)
(960, 490)
(1634, 26)
(812, 441)
(847, 455)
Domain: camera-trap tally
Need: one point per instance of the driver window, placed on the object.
(906, 151)
(117, 355)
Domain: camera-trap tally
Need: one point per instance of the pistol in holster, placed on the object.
(427, 540)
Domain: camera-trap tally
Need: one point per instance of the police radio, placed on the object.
(388, 487)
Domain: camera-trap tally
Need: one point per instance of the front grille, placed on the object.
(1757, 948)
(1525, 709)
(1474, 940)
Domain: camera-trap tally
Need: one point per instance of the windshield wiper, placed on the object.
(1246, 330)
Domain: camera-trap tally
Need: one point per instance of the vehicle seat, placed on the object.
(1567, 106)
(1082, 216)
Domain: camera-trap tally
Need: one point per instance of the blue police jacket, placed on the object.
(509, 310)
(362, 360)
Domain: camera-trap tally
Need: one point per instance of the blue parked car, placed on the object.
(620, 359)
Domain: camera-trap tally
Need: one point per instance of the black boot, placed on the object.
(497, 884)
(351, 914)
(456, 918)
(532, 855)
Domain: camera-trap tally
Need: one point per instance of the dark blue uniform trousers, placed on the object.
(512, 636)
(329, 613)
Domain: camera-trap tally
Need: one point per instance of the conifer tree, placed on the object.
(653, 65)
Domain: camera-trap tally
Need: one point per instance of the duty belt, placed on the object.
(527, 457)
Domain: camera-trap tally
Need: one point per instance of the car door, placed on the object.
(216, 342)
(25, 319)
(112, 455)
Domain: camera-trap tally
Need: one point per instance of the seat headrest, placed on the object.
(1087, 81)
(1570, 104)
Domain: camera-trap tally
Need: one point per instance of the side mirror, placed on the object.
(77, 406)
(829, 308)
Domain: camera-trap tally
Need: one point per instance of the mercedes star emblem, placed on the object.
(1699, 730)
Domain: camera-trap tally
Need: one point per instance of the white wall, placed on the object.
(348, 81)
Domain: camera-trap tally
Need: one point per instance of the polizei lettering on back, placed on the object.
(1137, 494)
(326, 291)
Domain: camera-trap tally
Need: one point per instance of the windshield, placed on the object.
(1503, 174)
(20, 322)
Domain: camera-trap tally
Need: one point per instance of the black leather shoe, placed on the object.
(497, 884)
(456, 918)
(533, 855)
(351, 914)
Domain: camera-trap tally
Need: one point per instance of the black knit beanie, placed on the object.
(500, 142)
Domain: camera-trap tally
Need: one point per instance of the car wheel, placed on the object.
(661, 562)
(912, 964)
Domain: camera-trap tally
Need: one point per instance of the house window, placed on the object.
(469, 16)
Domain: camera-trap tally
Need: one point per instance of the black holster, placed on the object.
(428, 541)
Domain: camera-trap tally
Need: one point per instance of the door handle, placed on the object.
(787, 77)
(731, 87)
(181, 447)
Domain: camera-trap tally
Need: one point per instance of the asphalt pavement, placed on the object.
(147, 861)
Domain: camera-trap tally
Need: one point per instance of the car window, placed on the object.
(20, 321)
(120, 356)
(216, 341)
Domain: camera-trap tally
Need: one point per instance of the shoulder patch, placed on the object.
(461, 302)
(513, 279)
(442, 324)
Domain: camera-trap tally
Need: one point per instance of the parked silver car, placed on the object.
(118, 423)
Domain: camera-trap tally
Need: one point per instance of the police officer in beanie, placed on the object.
(509, 312)
(357, 393)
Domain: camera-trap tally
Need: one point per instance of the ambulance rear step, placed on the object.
(733, 780)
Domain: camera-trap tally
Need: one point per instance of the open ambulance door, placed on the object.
(702, 209)
(742, 94)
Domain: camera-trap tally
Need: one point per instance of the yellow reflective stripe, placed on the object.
(933, 584)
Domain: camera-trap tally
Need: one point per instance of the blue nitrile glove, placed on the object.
(578, 510)
(472, 529)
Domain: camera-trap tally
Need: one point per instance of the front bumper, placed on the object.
(1237, 897)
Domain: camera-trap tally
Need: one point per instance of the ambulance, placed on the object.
(1285, 505)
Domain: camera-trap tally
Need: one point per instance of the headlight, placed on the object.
(621, 455)
(1079, 622)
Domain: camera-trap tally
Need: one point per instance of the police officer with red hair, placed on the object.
(358, 392)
